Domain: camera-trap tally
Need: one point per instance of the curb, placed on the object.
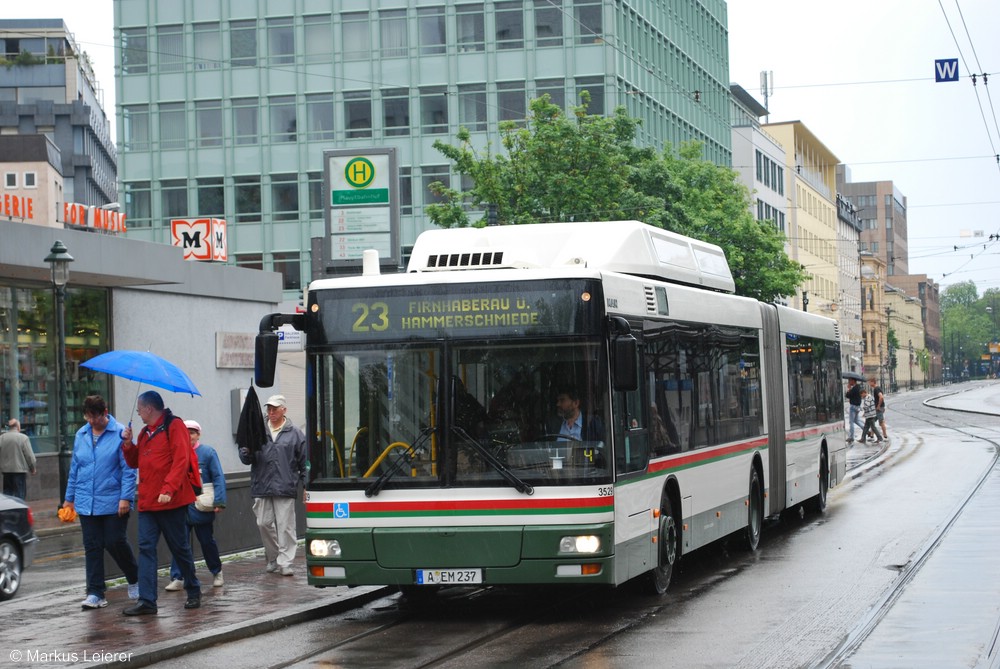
(168, 650)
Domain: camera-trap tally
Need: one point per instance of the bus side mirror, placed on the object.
(625, 372)
(265, 358)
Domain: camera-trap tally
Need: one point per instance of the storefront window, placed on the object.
(28, 389)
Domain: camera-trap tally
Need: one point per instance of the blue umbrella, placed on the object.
(144, 367)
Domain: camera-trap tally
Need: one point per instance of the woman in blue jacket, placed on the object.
(201, 514)
(101, 489)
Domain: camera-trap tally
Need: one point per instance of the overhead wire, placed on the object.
(979, 68)
(979, 102)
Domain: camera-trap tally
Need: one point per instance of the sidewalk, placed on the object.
(55, 631)
(59, 634)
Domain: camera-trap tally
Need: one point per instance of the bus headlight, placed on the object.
(325, 548)
(582, 544)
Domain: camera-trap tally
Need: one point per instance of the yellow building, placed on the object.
(811, 170)
(903, 319)
(874, 321)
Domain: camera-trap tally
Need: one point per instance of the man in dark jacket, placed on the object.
(853, 395)
(276, 471)
(164, 459)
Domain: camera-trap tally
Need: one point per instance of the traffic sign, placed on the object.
(946, 69)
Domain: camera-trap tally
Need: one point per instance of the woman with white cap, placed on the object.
(201, 514)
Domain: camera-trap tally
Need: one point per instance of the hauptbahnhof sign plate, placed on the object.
(362, 205)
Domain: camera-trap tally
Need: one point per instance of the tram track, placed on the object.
(413, 612)
(877, 613)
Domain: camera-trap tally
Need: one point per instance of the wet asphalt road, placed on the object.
(791, 604)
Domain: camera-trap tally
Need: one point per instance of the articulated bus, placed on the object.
(436, 403)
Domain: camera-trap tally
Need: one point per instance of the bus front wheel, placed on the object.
(755, 511)
(667, 549)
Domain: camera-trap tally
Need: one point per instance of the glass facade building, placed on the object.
(226, 107)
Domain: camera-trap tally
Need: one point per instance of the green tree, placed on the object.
(968, 323)
(554, 169)
(963, 294)
(586, 167)
(714, 206)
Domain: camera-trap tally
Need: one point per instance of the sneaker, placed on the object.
(94, 602)
(218, 581)
(133, 591)
(192, 603)
(272, 567)
(287, 570)
(175, 585)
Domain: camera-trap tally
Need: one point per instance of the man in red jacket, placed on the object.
(163, 457)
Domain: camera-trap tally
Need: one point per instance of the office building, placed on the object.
(882, 209)
(759, 159)
(226, 107)
(48, 87)
(812, 214)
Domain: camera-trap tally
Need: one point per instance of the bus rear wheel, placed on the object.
(755, 512)
(668, 544)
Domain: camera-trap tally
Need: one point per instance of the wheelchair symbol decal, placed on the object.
(341, 510)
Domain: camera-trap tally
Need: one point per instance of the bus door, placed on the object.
(633, 511)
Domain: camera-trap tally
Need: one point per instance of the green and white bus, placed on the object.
(438, 455)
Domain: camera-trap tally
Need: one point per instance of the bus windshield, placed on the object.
(481, 413)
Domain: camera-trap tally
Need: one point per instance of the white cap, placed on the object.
(193, 425)
(276, 401)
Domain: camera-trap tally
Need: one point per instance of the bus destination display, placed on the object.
(390, 314)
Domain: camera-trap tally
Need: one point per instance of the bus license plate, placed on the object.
(449, 576)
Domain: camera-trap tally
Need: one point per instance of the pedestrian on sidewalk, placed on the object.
(16, 460)
(202, 513)
(276, 471)
(854, 409)
(100, 489)
(879, 396)
(168, 475)
(868, 408)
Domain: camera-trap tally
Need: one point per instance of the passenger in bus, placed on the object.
(660, 434)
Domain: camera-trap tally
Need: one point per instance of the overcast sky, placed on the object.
(859, 74)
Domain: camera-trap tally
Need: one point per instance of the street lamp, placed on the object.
(59, 260)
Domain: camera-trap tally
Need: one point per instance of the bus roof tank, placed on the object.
(628, 247)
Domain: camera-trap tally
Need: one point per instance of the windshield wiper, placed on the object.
(400, 461)
(491, 459)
